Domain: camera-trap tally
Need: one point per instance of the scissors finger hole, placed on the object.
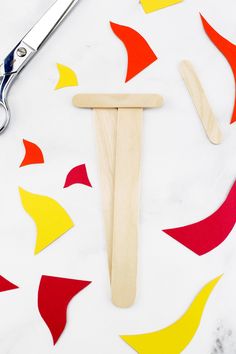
(4, 117)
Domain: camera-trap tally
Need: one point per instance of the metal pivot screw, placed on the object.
(21, 52)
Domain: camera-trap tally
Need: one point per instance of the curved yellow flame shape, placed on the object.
(51, 220)
(67, 77)
(175, 338)
(154, 5)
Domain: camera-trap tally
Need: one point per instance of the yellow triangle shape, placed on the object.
(175, 338)
(51, 220)
(154, 5)
(67, 77)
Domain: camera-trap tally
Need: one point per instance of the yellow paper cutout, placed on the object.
(175, 338)
(67, 77)
(154, 5)
(51, 220)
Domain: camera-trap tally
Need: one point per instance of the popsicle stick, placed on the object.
(106, 123)
(119, 126)
(118, 100)
(200, 101)
(126, 206)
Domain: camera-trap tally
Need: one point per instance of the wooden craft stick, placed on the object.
(118, 120)
(117, 101)
(200, 101)
(106, 124)
(126, 206)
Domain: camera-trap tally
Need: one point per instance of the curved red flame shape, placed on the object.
(227, 48)
(78, 175)
(203, 236)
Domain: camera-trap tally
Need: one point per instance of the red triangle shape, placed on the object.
(54, 296)
(6, 285)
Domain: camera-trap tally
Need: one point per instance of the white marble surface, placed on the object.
(184, 177)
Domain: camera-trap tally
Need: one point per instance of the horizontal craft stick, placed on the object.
(118, 100)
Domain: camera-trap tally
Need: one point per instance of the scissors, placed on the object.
(27, 48)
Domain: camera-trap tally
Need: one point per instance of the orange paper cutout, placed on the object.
(140, 55)
(33, 154)
(227, 48)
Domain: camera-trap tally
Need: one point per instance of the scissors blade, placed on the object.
(47, 24)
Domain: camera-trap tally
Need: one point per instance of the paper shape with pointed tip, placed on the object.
(175, 338)
(54, 295)
(227, 48)
(6, 285)
(67, 77)
(78, 175)
(154, 5)
(140, 55)
(205, 235)
(33, 154)
(51, 220)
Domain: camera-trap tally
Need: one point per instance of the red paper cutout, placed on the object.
(78, 175)
(203, 236)
(140, 55)
(6, 285)
(227, 48)
(33, 154)
(54, 296)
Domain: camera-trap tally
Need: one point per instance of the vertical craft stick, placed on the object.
(106, 123)
(126, 206)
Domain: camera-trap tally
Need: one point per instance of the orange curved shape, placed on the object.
(227, 48)
(140, 55)
(33, 154)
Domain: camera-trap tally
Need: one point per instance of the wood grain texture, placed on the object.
(117, 100)
(106, 124)
(200, 101)
(126, 206)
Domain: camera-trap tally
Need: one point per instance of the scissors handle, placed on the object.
(5, 81)
(6, 118)
(10, 68)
